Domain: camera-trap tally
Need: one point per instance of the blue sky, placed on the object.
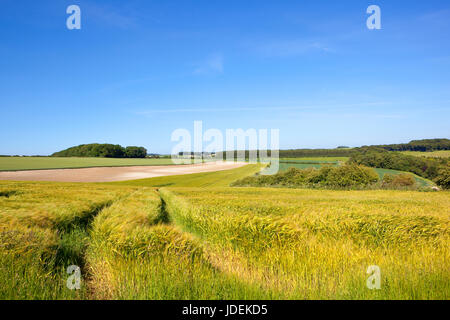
(138, 70)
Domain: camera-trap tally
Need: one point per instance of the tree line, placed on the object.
(293, 153)
(102, 150)
(343, 151)
(419, 145)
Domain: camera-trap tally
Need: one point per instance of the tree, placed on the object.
(135, 152)
(102, 150)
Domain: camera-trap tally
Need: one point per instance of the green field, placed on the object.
(36, 163)
(316, 159)
(303, 163)
(138, 242)
(285, 165)
(432, 154)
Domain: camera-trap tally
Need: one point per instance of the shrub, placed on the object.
(443, 178)
(387, 179)
(404, 180)
(398, 181)
(350, 176)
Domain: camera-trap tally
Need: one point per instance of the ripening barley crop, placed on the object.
(136, 253)
(319, 244)
(42, 231)
(137, 242)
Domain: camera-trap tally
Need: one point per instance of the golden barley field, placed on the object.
(140, 242)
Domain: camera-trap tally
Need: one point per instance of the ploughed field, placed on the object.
(137, 241)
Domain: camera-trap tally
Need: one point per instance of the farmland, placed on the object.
(109, 174)
(43, 229)
(37, 163)
(432, 154)
(42, 163)
(318, 244)
(193, 237)
(204, 179)
(315, 159)
(303, 163)
(242, 158)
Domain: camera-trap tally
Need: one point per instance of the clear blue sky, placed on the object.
(137, 70)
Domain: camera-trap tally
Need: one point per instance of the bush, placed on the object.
(398, 181)
(387, 179)
(350, 176)
(404, 180)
